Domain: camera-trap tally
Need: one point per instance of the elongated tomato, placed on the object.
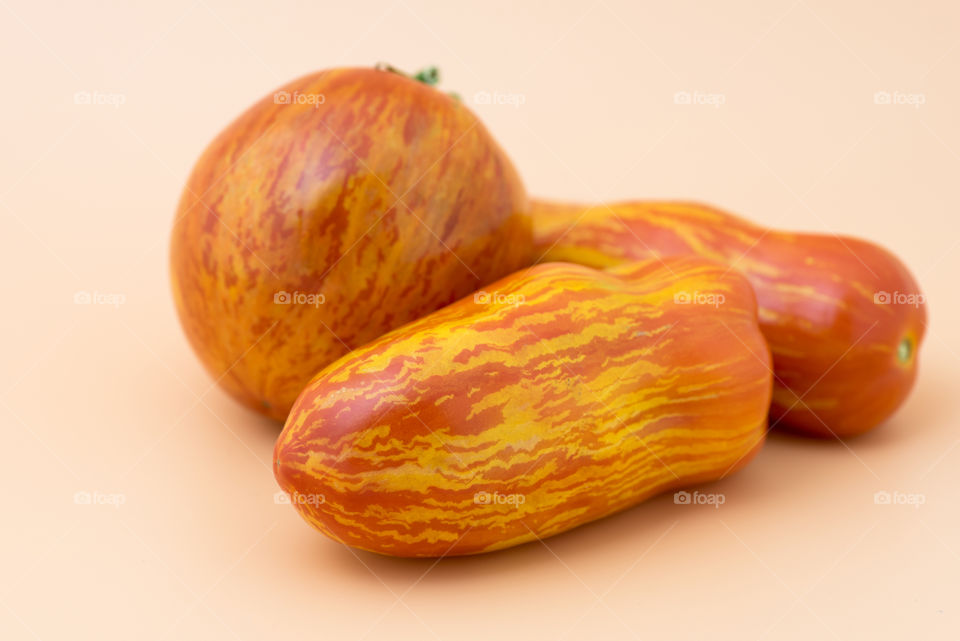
(559, 395)
(843, 317)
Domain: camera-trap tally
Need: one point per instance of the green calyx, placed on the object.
(905, 350)
(429, 76)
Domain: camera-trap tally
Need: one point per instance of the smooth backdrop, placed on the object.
(138, 500)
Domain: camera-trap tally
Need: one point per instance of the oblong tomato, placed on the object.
(556, 396)
(844, 318)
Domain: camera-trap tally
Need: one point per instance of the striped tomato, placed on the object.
(843, 317)
(344, 205)
(556, 396)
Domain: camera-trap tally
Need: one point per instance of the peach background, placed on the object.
(98, 398)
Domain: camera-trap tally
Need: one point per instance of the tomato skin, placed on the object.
(844, 318)
(558, 395)
(364, 199)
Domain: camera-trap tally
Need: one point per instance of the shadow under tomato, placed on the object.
(626, 535)
(930, 403)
